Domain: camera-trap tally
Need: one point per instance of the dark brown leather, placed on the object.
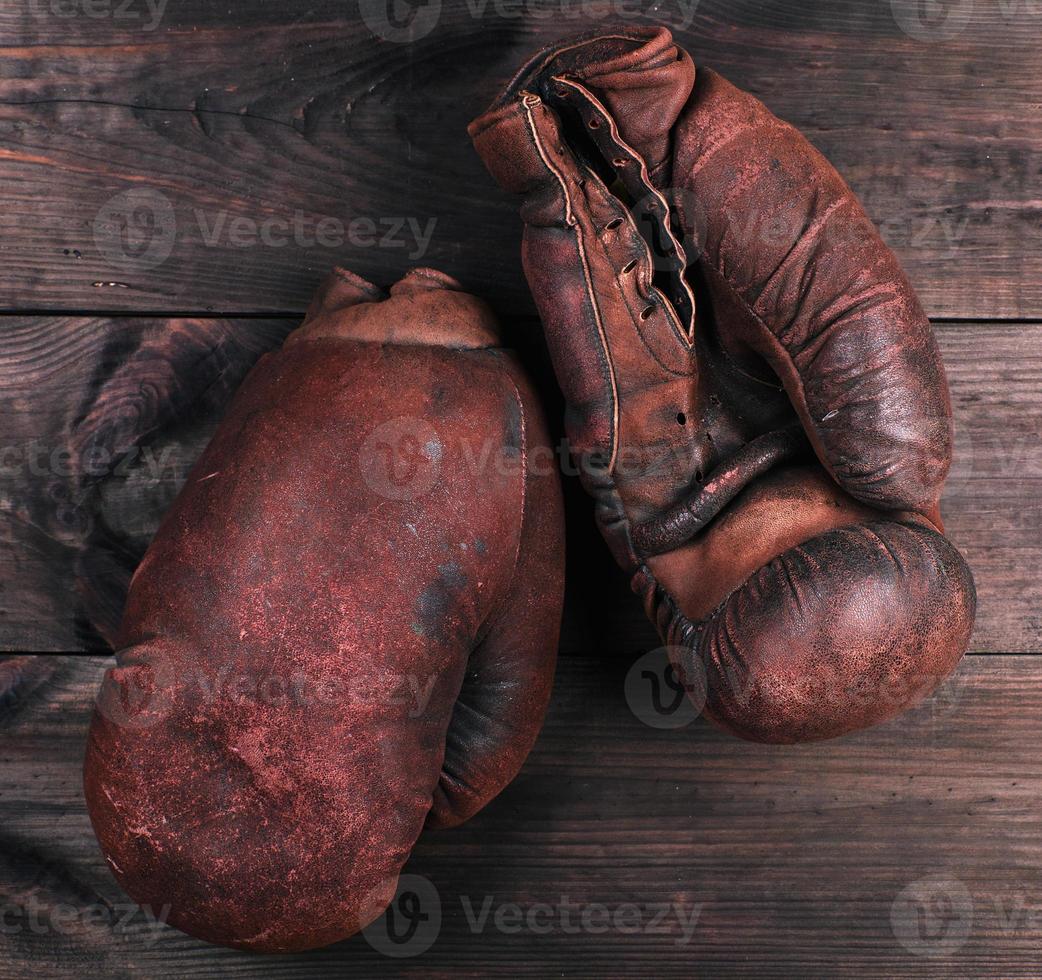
(754, 395)
(331, 639)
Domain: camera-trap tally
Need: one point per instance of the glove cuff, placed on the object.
(639, 73)
(434, 311)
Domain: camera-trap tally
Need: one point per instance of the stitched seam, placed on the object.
(524, 479)
(494, 617)
(587, 279)
(328, 339)
(531, 71)
(686, 335)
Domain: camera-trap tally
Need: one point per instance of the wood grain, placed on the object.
(194, 158)
(99, 422)
(141, 157)
(798, 859)
(993, 499)
(72, 540)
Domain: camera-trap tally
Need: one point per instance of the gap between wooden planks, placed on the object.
(224, 157)
(149, 391)
(793, 857)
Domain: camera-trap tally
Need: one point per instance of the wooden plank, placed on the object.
(993, 499)
(99, 422)
(907, 851)
(141, 156)
(72, 540)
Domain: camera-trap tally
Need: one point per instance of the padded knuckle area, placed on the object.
(223, 841)
(884, 447)
(839, 633)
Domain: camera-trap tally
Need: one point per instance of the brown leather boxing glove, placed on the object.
(346, 625)
(754, 395)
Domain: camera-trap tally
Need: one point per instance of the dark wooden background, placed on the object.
(142, 152)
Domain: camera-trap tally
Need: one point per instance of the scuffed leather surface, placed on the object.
(260, 759)
(708, 282)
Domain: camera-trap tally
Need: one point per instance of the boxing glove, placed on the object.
(754, 396)
(345, 627)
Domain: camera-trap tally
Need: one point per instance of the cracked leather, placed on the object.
(345, 628)
(754, 394)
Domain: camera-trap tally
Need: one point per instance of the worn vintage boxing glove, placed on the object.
(753, 392)
(346, 625)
